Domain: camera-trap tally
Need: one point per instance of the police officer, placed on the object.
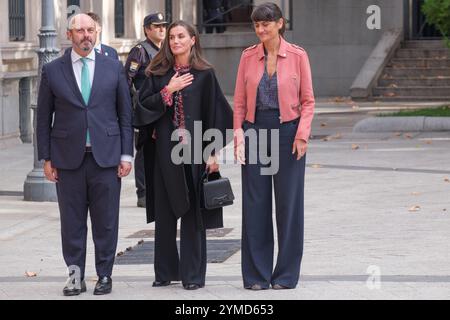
(138, 60)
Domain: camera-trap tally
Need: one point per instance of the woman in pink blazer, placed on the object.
(273, 92)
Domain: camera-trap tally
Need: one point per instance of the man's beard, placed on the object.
(85, 48)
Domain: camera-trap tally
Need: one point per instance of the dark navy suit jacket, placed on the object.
(63, 117)
(106, 51)
(109, 52)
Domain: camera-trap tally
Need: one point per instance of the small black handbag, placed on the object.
(216, 191)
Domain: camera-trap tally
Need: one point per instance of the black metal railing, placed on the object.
(219, 16)
(16, 20)
(119, 18)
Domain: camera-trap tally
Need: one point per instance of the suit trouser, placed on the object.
(190, 265)
(139, 170)
(257, 229)
(96, 189)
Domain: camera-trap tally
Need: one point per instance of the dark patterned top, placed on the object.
(267, 96)
(176, 101)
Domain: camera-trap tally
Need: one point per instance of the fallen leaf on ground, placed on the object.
(30, 274)
(414, 209)
(429, 142)
(120, 254)
(415, 193)
(447, 180)
(323, 124)
(129, 249)
(334, 137)
(316, 166)
(408, 136)
(141, 242)
(398, 134)
(355, 147)
(339, 99)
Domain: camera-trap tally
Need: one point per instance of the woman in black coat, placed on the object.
(181, 92)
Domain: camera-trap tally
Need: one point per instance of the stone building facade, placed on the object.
(339, 36)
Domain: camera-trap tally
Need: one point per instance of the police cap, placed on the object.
(154, 18)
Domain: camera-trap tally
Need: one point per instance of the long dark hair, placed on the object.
(269, 12)
(165, 60)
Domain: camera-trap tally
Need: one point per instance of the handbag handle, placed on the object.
(206, 175)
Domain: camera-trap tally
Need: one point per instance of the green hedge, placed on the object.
(437, 13)
(428, 112)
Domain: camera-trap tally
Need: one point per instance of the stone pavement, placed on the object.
(360, 226)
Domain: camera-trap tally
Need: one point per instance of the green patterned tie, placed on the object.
(86, 89)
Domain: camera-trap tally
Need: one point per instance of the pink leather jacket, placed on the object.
(295, 89)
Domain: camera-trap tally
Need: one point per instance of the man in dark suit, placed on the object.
(84, 134)
(99, 46)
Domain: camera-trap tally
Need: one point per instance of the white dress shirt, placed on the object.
(99, 49)
(77, 65)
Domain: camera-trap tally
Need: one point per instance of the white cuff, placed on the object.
(126, 158)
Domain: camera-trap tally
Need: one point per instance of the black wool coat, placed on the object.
(203, 101)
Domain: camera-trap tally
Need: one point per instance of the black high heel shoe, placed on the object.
(157, 284)
(192, 286)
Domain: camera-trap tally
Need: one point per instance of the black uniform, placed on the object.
(138, 60)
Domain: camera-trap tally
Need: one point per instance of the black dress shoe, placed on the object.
(103, 286)
(161, 283)
(73, 289)
(141, 202)
(192, 286)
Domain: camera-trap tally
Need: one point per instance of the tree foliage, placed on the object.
(437, 13)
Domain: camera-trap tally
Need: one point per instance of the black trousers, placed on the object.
(189, 265)
(257, 225)
(139, 169)
(97, 190)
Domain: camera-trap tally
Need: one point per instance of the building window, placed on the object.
(222, 15)
(73, 3)
(233, 15)
(119, 15)
(71, 7)
(16, 20)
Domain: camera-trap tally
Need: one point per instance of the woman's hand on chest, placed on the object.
(178, 83)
